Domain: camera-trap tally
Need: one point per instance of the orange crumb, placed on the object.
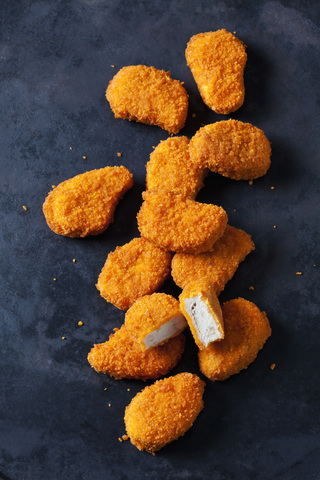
(63, 338)
(298, 273)
(24, 207)
(272, 188)
(105, 388)
(53, 186)
(272, 366)
(70, 148)
(250, 182)
(109, 405)
(74, 260)
(84, 157)
(80, 323)
(128, 389)
(119, 154)
(54, 279)
(120, 439)
(115, 329)
(194, 115)
(112, 66)
(251, 288)
(274, 226)
(125, 437)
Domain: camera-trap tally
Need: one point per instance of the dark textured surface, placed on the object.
(55, 63)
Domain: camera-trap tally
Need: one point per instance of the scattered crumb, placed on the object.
(84, 157)
(109, 405)
(272, 188)
(63, 338)
(119, 154)
(272, 366)
(251, 288)
(115, 329)
(53, 186)
(314, 265)
(250, 182)
(74, 260)
(234, 33)
(128, 389)
(298, 273)
(112, 66)
(24, 207)
(274, 226)
(70, 148)
(54, 279)
(120, 439)
(125, 437)
(106, 388)
(194, 115)
(234, 210)
(80, 323)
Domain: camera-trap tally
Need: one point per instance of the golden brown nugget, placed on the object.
(219, 264)
(122, 357)
(148, 95)
(85, 204)
(233, 149)
(217, 61)
(170, 168)
(163, 412)
(154, 319)
(135, 269)
(200, 305)
(246, 329)
(179, 224)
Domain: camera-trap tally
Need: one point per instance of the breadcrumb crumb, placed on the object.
(74, 260)
(84, 157)
(63, 338)
(54, 279)
(125, 437)
(119, 154)
(24, 207)
(80, 323)
(272, 366)
(298, 273)
(251, 288)
(272, 188)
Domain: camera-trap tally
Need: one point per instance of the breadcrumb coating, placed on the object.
(148, 95)
(179, 224)
(85, 204)
(122, 357)
(233, 149)
(135, 269)
(219, 265)
(246, 330)
(164, 411)
(217, 61)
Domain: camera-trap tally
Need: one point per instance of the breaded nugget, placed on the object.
(219, 265)
(85, 204)
(148, 95)
(135, 269)
(233, 149)
(122, 356)
(163, 412)
(154, 319)
(179, 224)
(169, 168)
(217, 61)
(246, 329)
(200, 305)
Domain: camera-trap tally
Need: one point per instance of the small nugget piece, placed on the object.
(163, 412)
(217, 61)
(148, 95)
(179, 224)
(219, 265)
(85, 204)
(233, 149)
(155, 318)
(135, 269)
(170, 168)
(200, 305)
(122, 356)
(246, 329)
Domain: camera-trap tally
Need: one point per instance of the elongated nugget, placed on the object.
(163, 412)
(122, 357)
(233, 149)
(179, 224)
(217, 61)
(170, 168)
(148, 95)
(246, 329)
(135, 269)
(85, 204)
(219, 265)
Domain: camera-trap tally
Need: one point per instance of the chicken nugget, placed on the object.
(169, 168)
(85, 204)
(135, 269)
(122, 356)
(217, 61)
(233, 149)
(200, 305)
(148, 95)
(154, 319)
(164, 411)
(219, 265)
(179, 224)
(246, 329)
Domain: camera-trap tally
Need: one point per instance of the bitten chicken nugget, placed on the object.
(200, 305)
(85, 204)
(148, 95)
(155, 318)
(179, 224)
(163, 412)
(122, 356)
(217, 61)
(233, 149)
(246, 329)
(135, 269)
(169, 168)
(219, 265)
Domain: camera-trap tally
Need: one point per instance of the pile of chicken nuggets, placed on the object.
(179, 236)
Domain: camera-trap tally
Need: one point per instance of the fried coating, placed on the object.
(217, 61)
(135, 269)
(233, 149)
(179, 224)
(246, 329)
(154, 319)
(163, 412)
(148, 95)
(122, 356)
(169, 168)
(85, 204)
(219, 265)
